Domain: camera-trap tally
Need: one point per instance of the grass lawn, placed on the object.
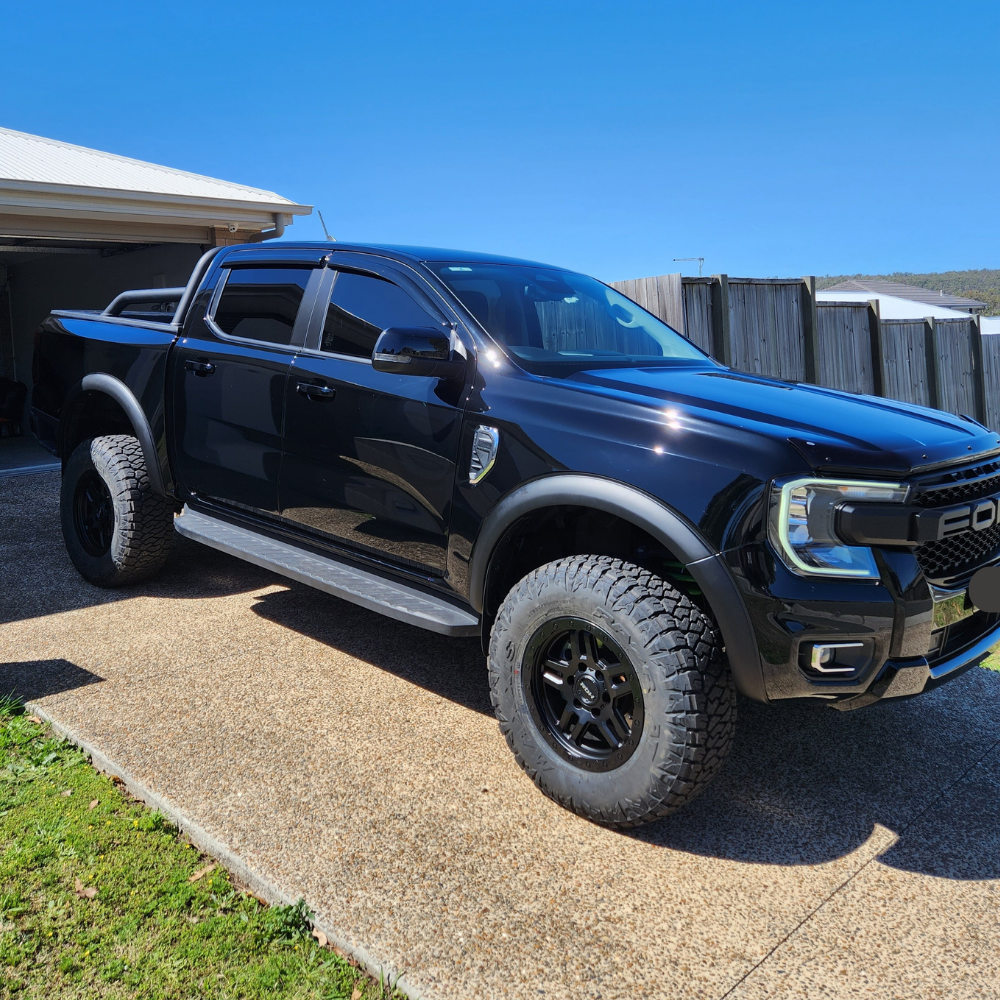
(993, 663)
(99, 897)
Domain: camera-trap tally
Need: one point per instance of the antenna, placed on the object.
(701, 260)
(326, 231)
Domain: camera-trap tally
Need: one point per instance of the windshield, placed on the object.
(556, 320)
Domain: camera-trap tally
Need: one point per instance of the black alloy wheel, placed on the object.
(94, 514)
(583, 694)
(623, 721)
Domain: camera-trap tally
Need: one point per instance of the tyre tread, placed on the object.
(143, 518)
(683, 652)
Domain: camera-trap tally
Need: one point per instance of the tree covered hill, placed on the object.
(983, 285)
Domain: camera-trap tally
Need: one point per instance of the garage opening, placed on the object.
(37, 277)
(78, 226)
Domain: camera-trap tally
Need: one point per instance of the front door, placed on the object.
(370, 457)
(229, 382)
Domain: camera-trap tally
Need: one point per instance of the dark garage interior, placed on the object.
(78, 226)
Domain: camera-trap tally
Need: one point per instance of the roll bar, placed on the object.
(119, 303)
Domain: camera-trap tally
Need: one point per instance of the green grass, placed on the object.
(993, 662)
(148, 930)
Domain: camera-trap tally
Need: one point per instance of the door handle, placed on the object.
(202, 368)
(317, 392)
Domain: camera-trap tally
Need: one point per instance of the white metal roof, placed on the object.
(900, 289)
(35, 159)
(891, 306)
(53, 189)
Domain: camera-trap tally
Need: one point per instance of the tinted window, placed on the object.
(555, 320)
(260, 303)
(361, 307)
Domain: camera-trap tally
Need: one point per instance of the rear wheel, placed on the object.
(117, 530)
(611, 688)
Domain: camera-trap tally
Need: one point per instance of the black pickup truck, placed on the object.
(483, 446)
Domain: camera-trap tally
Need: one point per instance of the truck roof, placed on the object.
(421, 254)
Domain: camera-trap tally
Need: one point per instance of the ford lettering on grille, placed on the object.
(933, 525)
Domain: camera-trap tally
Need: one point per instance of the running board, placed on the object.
(377, 593)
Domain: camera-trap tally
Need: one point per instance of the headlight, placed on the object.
(801, 525)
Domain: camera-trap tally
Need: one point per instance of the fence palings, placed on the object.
(956, 368)
(777, 328)
(765, 320)
(697, 294)
(844, 347)
(991, 376)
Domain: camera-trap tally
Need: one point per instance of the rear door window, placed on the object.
(261, 303)
(361, 307)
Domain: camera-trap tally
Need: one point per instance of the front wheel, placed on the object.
(117, 530)
(611, 688)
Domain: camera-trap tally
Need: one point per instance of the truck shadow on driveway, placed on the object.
(802, 785)
(805, 785)
(452, 668)
(38, 579)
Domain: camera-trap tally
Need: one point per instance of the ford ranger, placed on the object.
(483, 446)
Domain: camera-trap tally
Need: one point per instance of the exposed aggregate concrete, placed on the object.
(354, 761)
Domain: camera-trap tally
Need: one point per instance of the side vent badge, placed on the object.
(484, 453)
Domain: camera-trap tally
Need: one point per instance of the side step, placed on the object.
(388, 597)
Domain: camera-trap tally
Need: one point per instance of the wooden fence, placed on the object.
(777, 327)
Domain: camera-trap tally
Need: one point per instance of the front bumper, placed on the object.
(894, 616)
(906, 678)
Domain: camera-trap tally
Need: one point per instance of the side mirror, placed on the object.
(417, 350)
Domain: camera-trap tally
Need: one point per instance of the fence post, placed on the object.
(810, 330)
(722, 339)
(932, 356)
(978, 371)
(674, 293)
(875, 336)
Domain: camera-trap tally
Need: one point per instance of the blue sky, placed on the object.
(769, 138)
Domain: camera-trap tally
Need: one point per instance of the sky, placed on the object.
(772, 139)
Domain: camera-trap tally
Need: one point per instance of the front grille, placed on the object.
(951, 559)
(952, 639)
(960, 554)
(959, 486)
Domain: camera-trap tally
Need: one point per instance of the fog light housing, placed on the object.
(836, 660)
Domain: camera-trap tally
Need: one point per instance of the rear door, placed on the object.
(370, 457)
(229, 374)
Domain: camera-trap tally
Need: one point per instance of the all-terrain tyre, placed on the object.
(612, 689)
(117, 530)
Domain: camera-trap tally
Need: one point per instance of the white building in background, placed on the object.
(892, 306)
(866, 288)
(78, 226)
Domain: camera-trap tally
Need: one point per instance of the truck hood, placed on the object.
(829, 428)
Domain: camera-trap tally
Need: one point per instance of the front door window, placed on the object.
(370, 457)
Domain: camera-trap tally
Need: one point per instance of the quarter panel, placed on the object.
(67, 349)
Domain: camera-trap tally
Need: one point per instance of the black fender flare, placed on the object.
(670, 528)
(108, 385)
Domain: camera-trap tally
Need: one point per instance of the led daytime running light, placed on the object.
(801, 525)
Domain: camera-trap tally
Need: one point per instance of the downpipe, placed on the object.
(279, 228)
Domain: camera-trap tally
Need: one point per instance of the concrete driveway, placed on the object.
(355, 761)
